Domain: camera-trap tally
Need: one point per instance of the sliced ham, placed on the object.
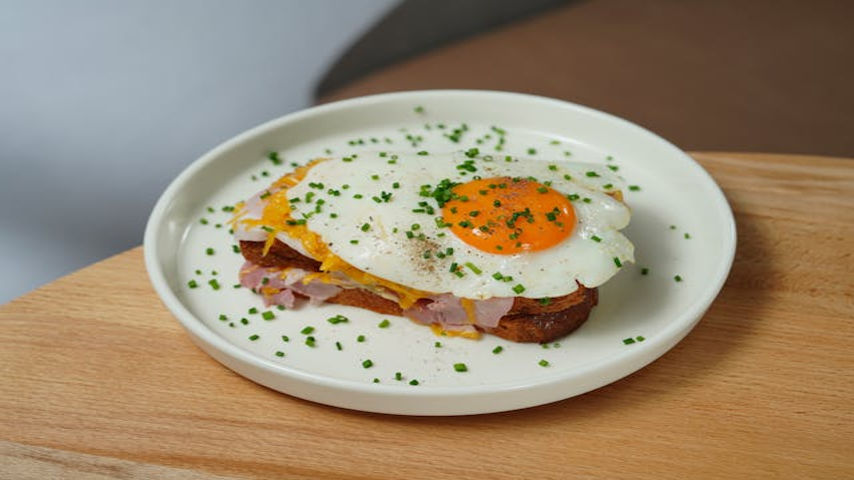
(490, 311)
(440, 309)
(251, 275)
(447, 310)
(278, 286)
(317, 292)
(284, 298)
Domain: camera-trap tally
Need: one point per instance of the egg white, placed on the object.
(384, 250)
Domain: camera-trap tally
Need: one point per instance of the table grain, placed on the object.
(99, 381)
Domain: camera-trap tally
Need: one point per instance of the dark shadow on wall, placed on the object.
(417, 26)
(723, 75)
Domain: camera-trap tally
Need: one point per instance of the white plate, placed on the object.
(674, 191)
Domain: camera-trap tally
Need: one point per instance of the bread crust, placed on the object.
(529, 320)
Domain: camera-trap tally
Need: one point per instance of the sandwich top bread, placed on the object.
(462, 242)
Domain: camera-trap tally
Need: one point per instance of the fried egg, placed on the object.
(476, 226)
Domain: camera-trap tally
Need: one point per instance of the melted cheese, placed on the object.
(441, 332)
(468, 306)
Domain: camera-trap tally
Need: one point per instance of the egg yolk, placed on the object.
(505, 216)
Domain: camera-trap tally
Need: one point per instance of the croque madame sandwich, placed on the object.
(464, 243)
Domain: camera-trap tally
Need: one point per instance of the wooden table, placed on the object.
(99, 381)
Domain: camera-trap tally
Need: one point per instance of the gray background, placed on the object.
(102, 103)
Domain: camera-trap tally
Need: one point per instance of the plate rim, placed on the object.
(673, 332)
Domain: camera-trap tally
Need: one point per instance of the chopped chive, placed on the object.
(438, 344)
(310, 341)
(543, 363)
(398, 376)
(209, 251)
(338, 346)
(497, 276)
(553, 167)
(254, 337)
(192, 284)
(268, 315)
(497, 350)
(413, 382)
(617, 262)
(644, 271)
(677, 278)
(367, 363)
(519, 288)
(252, 310)
(384, 324)
(473, 268)
(545, 301)
(337, 319)
(360, 338)
(634, 188)
(687, 236)
(285, 338)
(223, 317)
(214, 284)
(460, 367)
(595, 238)
(307, 330)
(280, 353)
(365, 227)
(628, 341)
(640, 338)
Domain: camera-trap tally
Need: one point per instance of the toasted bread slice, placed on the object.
(529, 320)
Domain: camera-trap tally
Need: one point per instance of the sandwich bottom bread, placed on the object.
(283, 275)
